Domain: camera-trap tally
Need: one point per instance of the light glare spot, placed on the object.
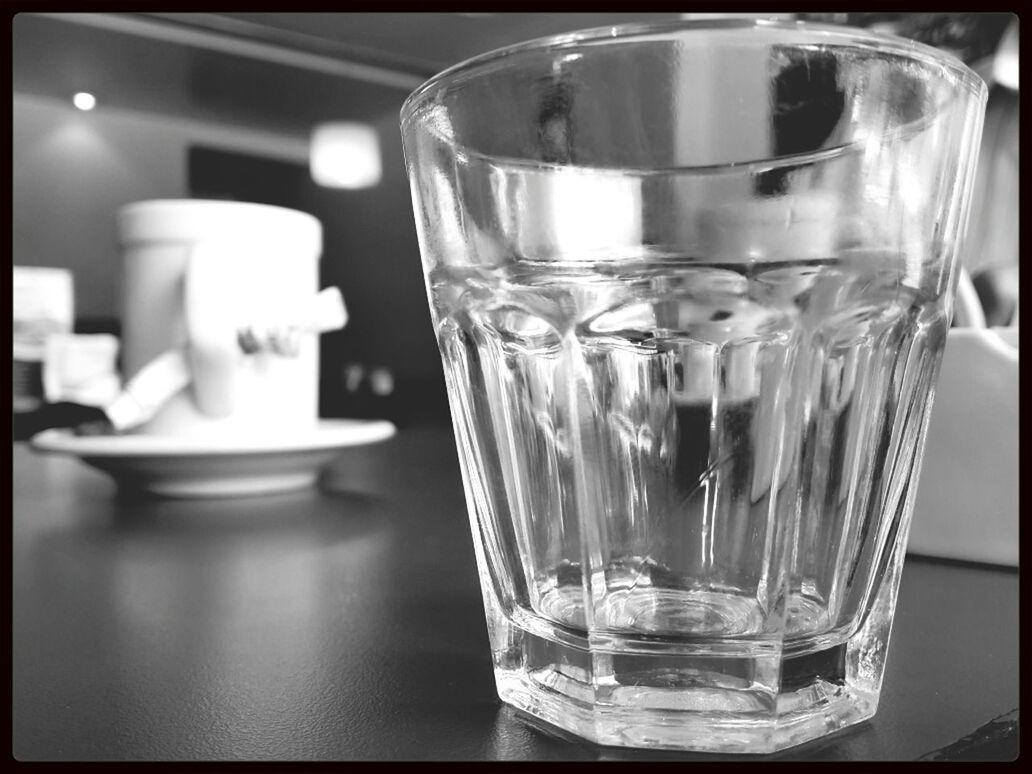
(84, 100)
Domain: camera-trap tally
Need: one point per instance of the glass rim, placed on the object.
(966, 78)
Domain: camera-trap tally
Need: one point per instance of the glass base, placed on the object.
(744, 698)
(685, 702)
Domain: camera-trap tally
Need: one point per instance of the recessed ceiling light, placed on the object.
(84, 100)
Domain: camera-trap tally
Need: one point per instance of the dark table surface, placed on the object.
(345, 623)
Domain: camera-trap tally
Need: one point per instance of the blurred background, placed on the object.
(111, 108)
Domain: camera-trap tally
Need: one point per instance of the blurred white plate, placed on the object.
(195, 467)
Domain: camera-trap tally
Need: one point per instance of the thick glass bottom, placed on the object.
(703, 695)
(704, 703)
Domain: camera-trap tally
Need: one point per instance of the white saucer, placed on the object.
(199, 467)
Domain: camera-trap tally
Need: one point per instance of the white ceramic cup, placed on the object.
(196, 275)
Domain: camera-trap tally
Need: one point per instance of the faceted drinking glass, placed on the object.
(691, 284)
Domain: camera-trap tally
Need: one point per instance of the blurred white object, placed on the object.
(81, 368)
(967, 497)
(1005, 63)
(148, 390)
(345, 155)
(43, 304)
(197, 273)
(381, 382)
(328, 313)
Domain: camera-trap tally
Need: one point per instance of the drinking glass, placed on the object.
(691, 285)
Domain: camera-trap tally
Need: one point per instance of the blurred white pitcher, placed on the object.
(221, 316)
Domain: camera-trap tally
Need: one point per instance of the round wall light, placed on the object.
(345, 155)
(84, 100)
